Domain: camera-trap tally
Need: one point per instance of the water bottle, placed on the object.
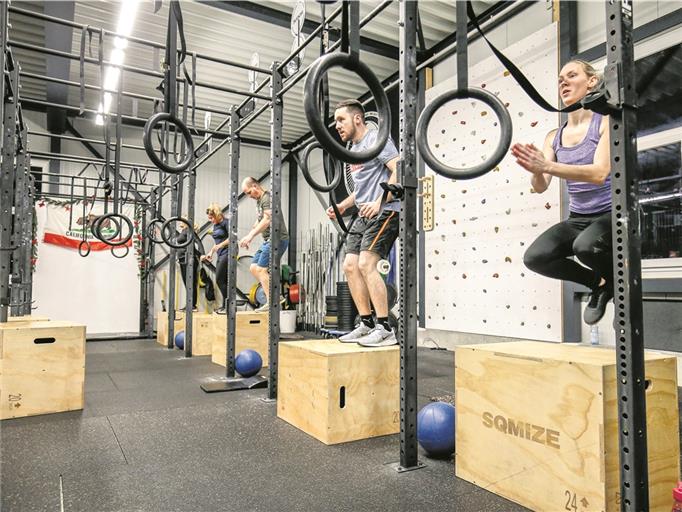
(677, 498)
(594, 335)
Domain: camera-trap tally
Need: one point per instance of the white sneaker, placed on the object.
(359, 332)
(264, 308)
(379, 337)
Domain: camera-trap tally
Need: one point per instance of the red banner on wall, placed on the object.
(65, 225)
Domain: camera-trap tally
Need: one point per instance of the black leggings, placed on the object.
(586, 236)
(221, 274)
(183, 271)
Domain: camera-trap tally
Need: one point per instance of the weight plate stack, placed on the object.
(331, 312)
(346, 310)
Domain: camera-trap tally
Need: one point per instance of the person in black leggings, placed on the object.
(182, 260)
(579, 153)
(221, 237)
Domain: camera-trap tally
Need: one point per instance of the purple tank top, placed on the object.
(584, 197)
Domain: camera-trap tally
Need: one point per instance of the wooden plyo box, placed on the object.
(27, 318)
(162, 325)
(42, 368)
(252, 332)
(537, 423)
(202, 333)
(339, 392)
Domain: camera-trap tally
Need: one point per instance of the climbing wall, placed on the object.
(475, 277)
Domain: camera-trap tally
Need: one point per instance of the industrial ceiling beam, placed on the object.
(279, 18)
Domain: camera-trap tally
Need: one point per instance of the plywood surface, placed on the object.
(252, 333)
(27, 318)
(339, 392)
(569, 352)
(550, 412)
(40, 378)
(332, 347)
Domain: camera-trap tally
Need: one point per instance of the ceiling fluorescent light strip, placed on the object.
(126, 20)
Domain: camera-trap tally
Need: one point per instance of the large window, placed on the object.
(659, 145)
(660, 202)
(660, 192)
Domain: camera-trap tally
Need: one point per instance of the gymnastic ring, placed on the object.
(149, 126)
(150, 230)
(80, 248)
(127, 248)
(95, 229)
(478, 170)
(317, 124)
(171, 242)
(121, 241)
(303, 163)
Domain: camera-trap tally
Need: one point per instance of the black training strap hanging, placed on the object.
(516, 72)
(71, 202)
(84, 245)
(191, 79)
(84, 33)
(175, 5)
(100, 55)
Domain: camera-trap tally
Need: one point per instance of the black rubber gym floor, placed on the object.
(150, 439)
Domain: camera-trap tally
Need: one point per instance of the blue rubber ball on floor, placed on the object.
(436, 428)
(248, 363)
(180, 340)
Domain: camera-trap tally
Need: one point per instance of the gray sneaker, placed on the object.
(360, 331)
(264, 308)
(379, 337)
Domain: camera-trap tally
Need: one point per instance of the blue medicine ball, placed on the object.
(180, 340)
(248, 363)
(436, 428)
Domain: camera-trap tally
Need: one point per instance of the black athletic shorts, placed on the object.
(376, 234)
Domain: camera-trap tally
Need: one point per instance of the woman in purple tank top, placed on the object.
(579, 153)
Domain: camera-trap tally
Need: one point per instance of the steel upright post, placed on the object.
(627, 259)
(276, 117)
(409, 271)
(231, 299)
